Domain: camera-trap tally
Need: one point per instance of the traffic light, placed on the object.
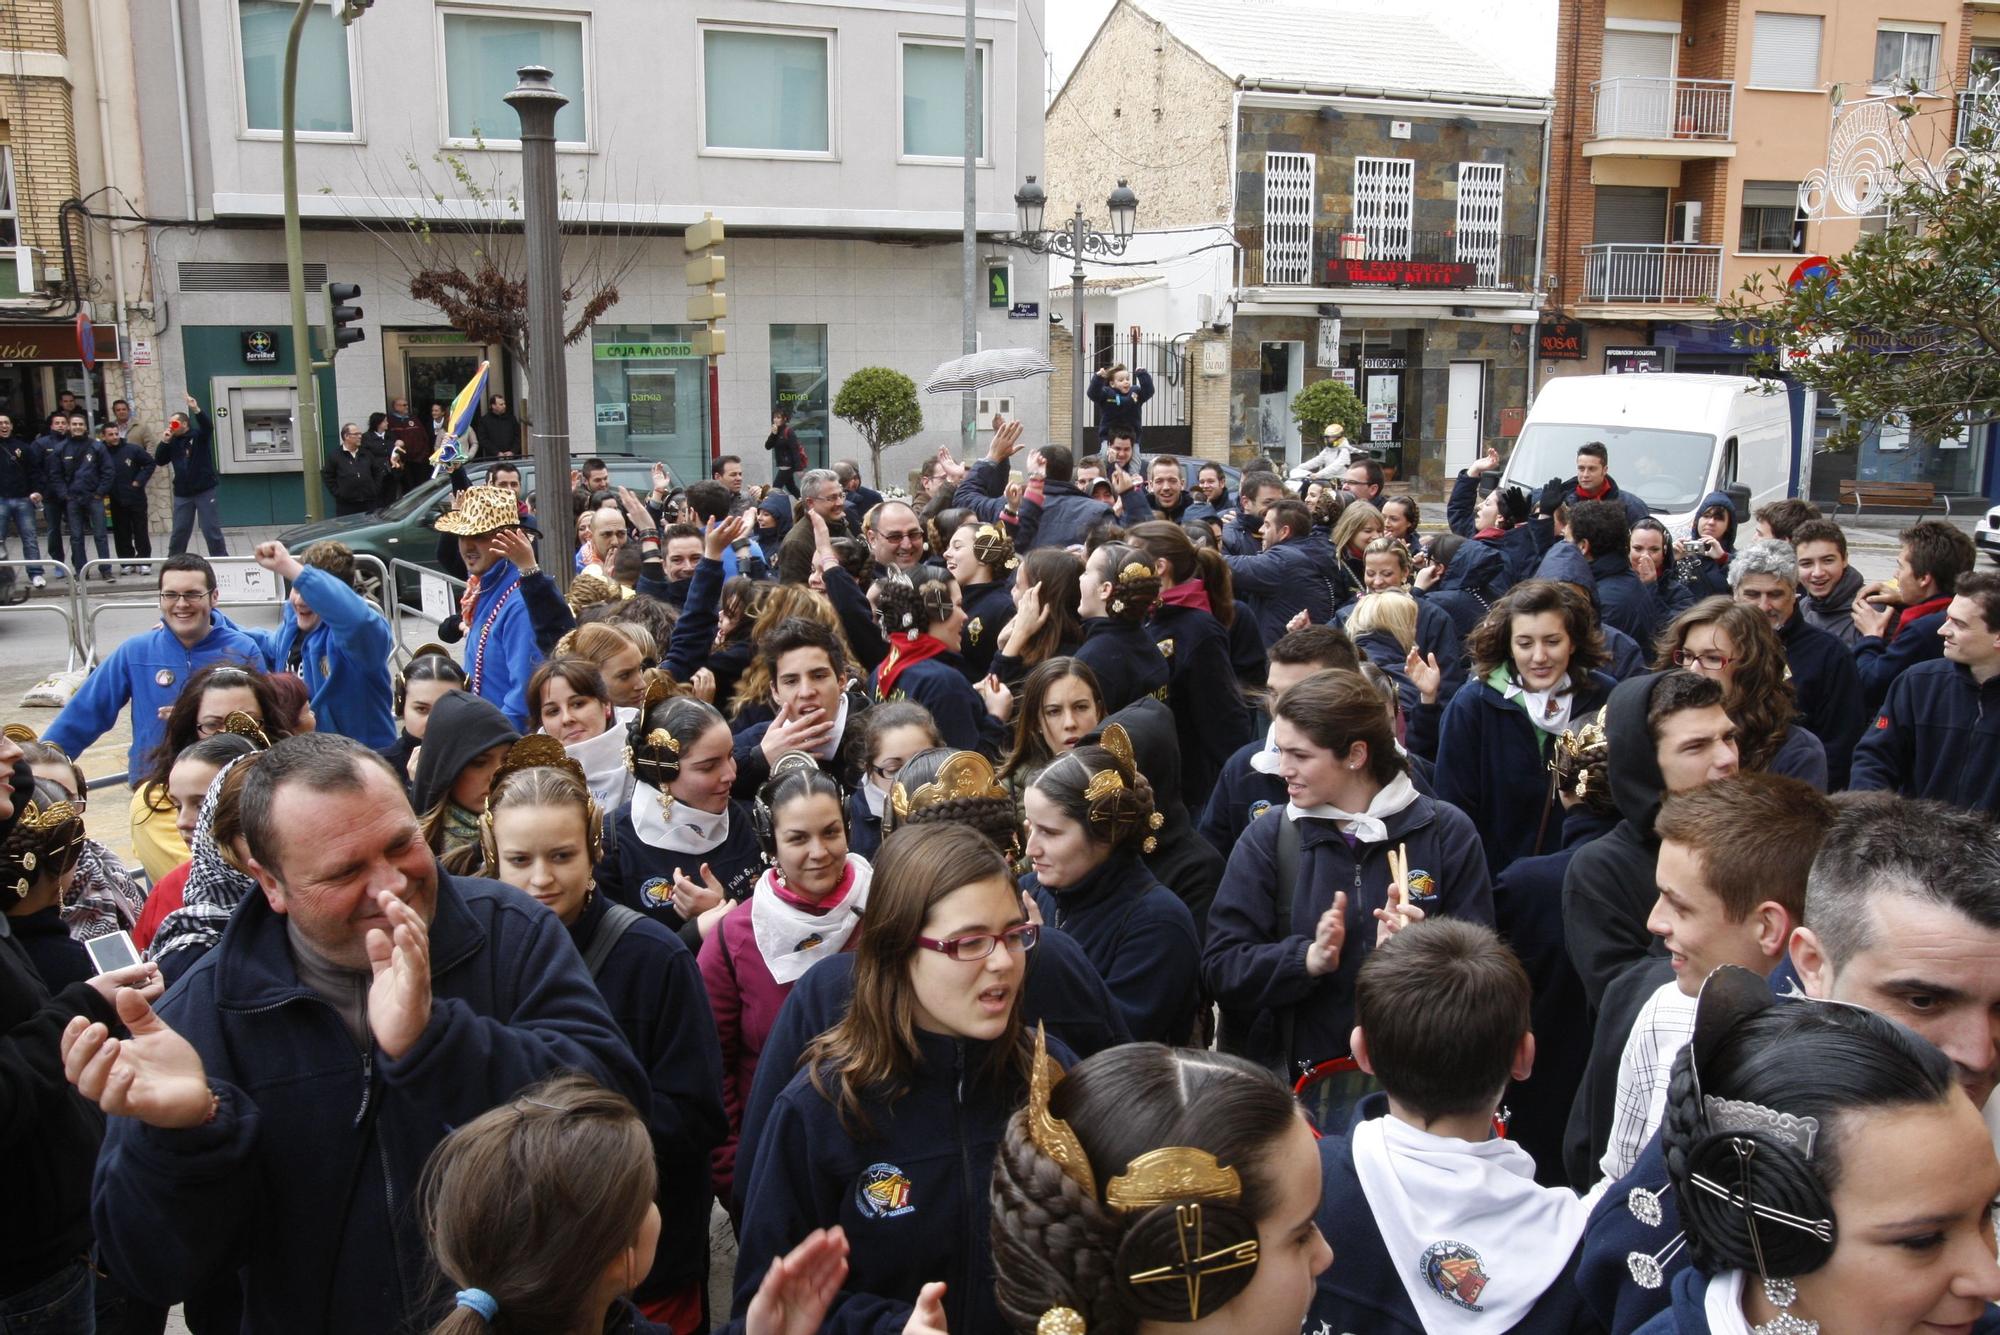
(339, 317)
(706, 270)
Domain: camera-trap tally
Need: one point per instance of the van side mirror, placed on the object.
(1739, 499)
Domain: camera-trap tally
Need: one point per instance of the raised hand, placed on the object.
(999, 700)
(691, 900)
(702, 683)
(155, 1075)
(275, 558)
(636, 514)
(1485, 462)
(718, 534)
(514, 545)
(399, 997)
(796, 732)
(793, 1297)
(1398, 912)
(1006, 440)
(1424, 673)
(1329, 935)
(1300, 620)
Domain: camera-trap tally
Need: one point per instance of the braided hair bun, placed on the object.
(912, 604)
(1103, 792)
(667, 725)
(1135, 585)
(967, 793)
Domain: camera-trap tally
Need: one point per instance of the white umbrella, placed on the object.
(991, 367)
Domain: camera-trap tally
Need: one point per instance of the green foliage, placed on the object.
(1326, 401)
(881, 404)
(1929, 283)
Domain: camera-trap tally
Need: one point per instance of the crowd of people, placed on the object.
(1070, 897)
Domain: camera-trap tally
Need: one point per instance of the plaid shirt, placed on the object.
(1663, 1027)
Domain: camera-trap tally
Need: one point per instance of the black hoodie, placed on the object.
(1609, 888)
(463, 727)
(1184, 861)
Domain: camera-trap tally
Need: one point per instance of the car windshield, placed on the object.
(1666, 469)
(633, 473)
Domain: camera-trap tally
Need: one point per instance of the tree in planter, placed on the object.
(1324, 402)
(1922, 289)
(881, 404)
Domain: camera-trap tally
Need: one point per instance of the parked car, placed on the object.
(406, 529)
(1987, 536)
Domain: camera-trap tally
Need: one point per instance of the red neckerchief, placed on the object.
(1189, 593)
(1598, 495)
(903, 651)
(1923, 609)
(1488, 534)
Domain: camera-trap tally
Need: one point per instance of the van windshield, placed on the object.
(1668, 470)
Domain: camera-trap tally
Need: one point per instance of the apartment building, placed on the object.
(1381, 183)
(827, 137)
(1699, 142)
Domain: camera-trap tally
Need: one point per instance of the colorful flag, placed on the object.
(449, 453)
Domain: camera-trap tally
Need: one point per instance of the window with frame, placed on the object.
(1385, 195)
(483, 52)
(766, 92)
(1785, 51)
(1288, 217)
(1906, 55)
(934, 100)
(1772, 221)
(10, 221)
(324, 96)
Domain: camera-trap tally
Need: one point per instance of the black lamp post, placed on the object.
(1077, 239)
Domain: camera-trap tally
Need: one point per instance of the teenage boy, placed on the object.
(1440, 1222)
(1243, 792)
(1827, 582)
(1294, 573)
(334, 639)
(1734, 856)
(1938, 733)
(147, 671)
(1903, 630)
(815, 710)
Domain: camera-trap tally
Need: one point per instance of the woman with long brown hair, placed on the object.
(1046, 623)
(891, 1127)
(1190, 627)
(210, 696)
(1060, 706)
(1734, 644)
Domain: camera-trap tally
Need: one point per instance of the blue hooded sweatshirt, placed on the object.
(146, 672)
(303, 1180)
(500, 649)
(1472, 583)
(344, 659)
(1140, 937)
(1128, 664)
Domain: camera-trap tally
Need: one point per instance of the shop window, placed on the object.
(798, 382)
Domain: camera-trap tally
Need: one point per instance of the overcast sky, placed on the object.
(1521, 34)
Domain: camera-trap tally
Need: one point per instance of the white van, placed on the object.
(1672, 439)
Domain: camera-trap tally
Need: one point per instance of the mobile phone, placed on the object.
(113, 952)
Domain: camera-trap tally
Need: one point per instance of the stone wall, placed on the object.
(1143, 107)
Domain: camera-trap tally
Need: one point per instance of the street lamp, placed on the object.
(1077, 239)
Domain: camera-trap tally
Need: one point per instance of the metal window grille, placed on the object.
(1384, 200)
(1288, 217)
(1481, 194)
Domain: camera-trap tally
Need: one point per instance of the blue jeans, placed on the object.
(186, 509)
(20, 514)
(87, 510)
(62, 1304)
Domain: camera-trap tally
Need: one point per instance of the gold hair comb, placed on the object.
(1050, 1133)
(966, 774)
(243, 725)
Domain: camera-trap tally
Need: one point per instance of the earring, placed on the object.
(1781, 1294)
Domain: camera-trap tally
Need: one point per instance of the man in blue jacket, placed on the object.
(1938, 734)
(1600, 531)
(500, 648)
(1900, 618)
(1060, 515)
(190, 450)
(80, 472)
(1295, 572)
(42, 451)
(132, 467)
(147, 671)
(333, 639)
(273, 1118)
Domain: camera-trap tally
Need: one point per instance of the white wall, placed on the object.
(1193, 263)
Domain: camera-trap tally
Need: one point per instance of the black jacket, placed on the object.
(1596, 1106)
(132, 468)
(80, 470)
(20, 469)
(1209, 714)
(354, 479)
(499, 433)
(787, 455)
(1185, 863)
(1938, 735)
(1828, 689)
(1299, 574)
(988, 609)
(1622, 601)
(192, 455)
(1609, 887)
(1127, 662)
(1140, 937)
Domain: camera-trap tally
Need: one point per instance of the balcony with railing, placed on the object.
(1406, 259)
(1672, 273)
(1662, 118)
(1979, 119)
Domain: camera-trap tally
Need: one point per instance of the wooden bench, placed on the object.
(1917, 494)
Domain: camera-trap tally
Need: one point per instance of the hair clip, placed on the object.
(243, 725)
(1060, 1321)
(1118, 742)
(1103, 784)
(1134, 571)
(1649, 1272)
(1172, 1173)
(536, 750)
(1050, 1133)
(1196, 1263)
(965, 774)
(1736, 1115)
(19, 732)
(662, 740)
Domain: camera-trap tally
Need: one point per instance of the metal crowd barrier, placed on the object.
(438, 595)
(61, 604)
(239, 582)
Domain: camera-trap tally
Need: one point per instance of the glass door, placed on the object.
(798, 382)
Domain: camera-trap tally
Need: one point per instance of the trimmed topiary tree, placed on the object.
(1326, 401)
(881, 404)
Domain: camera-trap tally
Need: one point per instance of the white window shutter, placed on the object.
(1288, 217)
(1481, 194)
(1384, 204)
(1786, 51)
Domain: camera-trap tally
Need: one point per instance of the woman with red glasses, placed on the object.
(890, 1127)
(1733, 644)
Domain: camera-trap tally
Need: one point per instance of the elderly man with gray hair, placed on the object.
(1765, 574)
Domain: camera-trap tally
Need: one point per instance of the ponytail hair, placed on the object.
(1162, 540)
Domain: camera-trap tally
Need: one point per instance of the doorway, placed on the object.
(1284, 366)
(1464, 401)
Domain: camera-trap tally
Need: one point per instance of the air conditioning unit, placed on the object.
(1686, 222)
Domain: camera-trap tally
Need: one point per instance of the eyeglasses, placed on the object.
(1712, 661)
(169, 597)
(971, 949)
(909, 538)
(886, 773)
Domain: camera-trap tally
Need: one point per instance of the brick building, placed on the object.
(1683, 133)
(1382, 186)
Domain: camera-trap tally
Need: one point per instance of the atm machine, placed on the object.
(256, 424)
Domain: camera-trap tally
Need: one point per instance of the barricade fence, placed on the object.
(63, 605)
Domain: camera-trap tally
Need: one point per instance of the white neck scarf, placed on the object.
(1370, 826)
(676, 827)
(1548, 710)
(874, 797)
(1722, 1304)
(791, 937)
(603, 761)
(1472, 1237)
(832, 747)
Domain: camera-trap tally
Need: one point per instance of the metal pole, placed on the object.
(1079, 419)
(295, 275)
(968, 412)
(536, 101)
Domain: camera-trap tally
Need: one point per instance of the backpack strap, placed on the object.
(617, 920)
